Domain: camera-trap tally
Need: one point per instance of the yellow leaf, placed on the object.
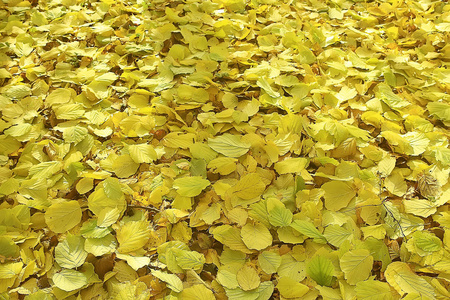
(248, 278)
(190, 186)
(399, 275)
(124, 166)
(197, 292)
(256, 236)
(338, 194)
(291, 165)
(222, 165)
(229, 145)
(63, 216)
(396, 184)
(133, 236)
(289, 288)
(356, 265)
(249, 187)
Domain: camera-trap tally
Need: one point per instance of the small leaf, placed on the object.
(279, 215)
(427, 241)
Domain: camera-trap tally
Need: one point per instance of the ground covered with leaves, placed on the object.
(224, 149)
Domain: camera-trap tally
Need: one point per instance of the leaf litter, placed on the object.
(224, 149)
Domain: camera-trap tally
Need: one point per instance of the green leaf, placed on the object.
(63, 216)
(336, 235)
(190, 186)
(279, 215)
(321, 270)
(70, 253)
(69, 280)
(91, 230)
(356, 265)
(308, 229)
(427, 241)
(229, 145)
(189, 260)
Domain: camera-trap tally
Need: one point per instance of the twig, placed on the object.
(145, 207)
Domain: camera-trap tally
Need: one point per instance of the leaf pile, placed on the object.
(224, 149)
